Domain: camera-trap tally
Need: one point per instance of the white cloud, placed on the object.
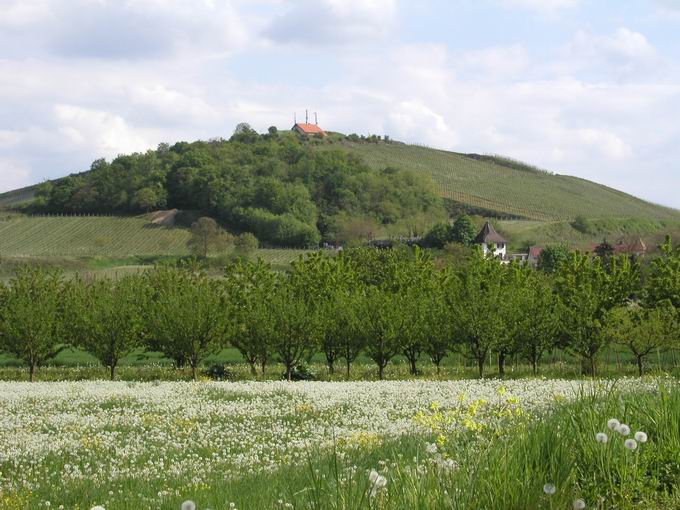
(411, 120)
(102, 132)
(13, 175)
(625, 46)
(333, 21)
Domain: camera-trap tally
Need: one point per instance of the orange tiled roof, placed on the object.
(309, 128)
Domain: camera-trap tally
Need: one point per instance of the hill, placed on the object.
(293, 191)
(502, 187)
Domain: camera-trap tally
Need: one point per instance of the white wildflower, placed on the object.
(623, 429)
(549, 489)
(631, 444)
(601, 437)
(188, 505)
(641, 437)
(579, 504)
(431, 448)
(613, 424)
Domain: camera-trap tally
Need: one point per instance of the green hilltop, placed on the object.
(343, 186)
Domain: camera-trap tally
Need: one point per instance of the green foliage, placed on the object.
(664, 279)
(588, 290)
(207, 237)
(552, 257)
(245, 244)
(582, 224)
(276, 187)
(106, 318)
(31, 318)
(190, 316)
(643, 331)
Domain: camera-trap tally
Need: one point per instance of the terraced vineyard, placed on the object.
(525, 193)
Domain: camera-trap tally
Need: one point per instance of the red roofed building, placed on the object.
(637, 248)
(308, 129)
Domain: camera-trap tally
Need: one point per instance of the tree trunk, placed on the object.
(437, 363)
(263, 366)
(331, 366)
(534, 366)
(289, 372)
(501, 364)
(480, 365)
(639, 364)
(253, 370)
(31, 371)
(193, 371)
(413, 368)
(348, 367)
(113, 371)
(381, 371)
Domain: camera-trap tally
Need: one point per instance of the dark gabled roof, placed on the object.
(489, 235)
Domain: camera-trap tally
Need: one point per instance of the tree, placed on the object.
(438, 236)
(582, 224)
(108, 319)
(31, 316)
(463, 231)
(295, 324)
(474, 299)
(664, 279)
(588, 290)
(245, 245)
(642, 330)
(206, 236)
(250, 285)
(439, 335)
(552, 257)
(382, 322)
(191, 316)
(538, 321)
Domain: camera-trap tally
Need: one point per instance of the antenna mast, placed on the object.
(316, 119)
(306, 116)
(294, 118)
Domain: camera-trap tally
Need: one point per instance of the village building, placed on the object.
(492, 242)
(533, 255)
(308, 129)
(637, 248)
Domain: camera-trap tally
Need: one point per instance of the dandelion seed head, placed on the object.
(188, 505)
(623, 429)
(601, 437)
(631, 444)
(549, 489)
(579, 504)
(641, 437)
(613, 424)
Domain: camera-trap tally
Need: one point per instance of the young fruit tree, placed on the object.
(106, 316)
(189, 316)
(31, 316)
(588, 289)
(249, 285)
(643, 330)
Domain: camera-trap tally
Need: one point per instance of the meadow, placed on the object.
(391, 445)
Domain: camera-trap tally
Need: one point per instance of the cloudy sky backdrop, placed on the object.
(582, 87)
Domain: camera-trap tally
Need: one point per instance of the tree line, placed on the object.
(379, 303)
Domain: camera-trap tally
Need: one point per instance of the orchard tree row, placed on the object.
(379, 303)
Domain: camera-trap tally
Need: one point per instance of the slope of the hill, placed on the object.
(494, 185)
(18, 196)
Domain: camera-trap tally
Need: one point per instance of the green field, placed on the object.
(519, 192)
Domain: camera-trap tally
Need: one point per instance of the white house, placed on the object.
(488, 238)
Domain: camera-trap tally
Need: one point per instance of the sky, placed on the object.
(581, 87)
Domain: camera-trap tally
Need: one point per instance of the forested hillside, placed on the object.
(275, 186)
